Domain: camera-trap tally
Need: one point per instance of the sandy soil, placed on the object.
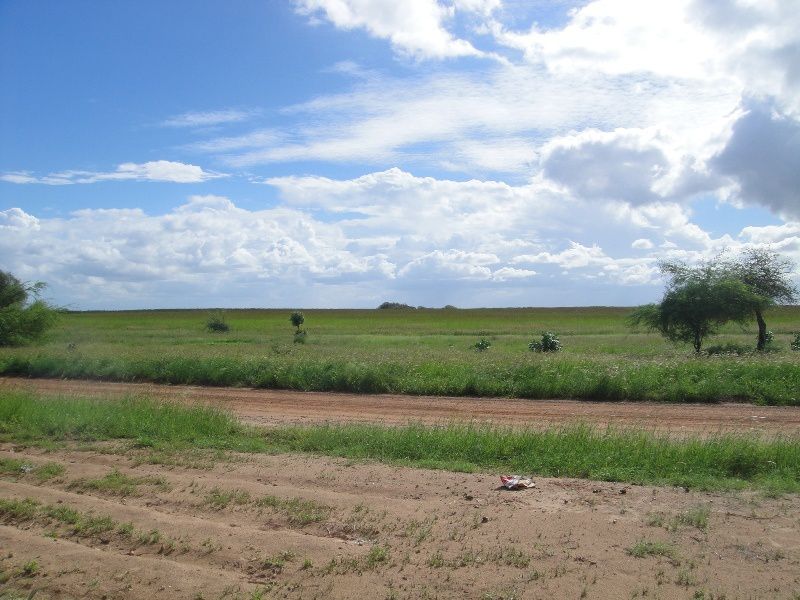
(382, 532)
(266, 407)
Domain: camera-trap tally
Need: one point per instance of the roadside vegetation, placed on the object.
(634, 456)
(421, 351)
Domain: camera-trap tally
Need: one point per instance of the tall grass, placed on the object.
(725, 461)
(758, 380)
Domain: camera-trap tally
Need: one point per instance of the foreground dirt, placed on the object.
(289, 526)
(270, 407)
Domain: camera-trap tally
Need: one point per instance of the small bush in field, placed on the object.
(482, 345)
(216, 323)
(297, 319)
(796, 342)
(300, 336)
(548, 343)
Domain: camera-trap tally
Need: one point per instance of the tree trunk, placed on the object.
(762, 331)
(698, 341)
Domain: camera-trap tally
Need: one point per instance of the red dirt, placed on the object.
(271, 407)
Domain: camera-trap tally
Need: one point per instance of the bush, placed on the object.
(548, 343)
(729, 348)
(482, 345)
(796, 342)
(297, 319)
(216, 323)
(21, 322)
(300, 336)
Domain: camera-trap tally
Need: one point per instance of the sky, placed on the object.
(343, 153)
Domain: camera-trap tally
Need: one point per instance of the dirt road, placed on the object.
(270, 407)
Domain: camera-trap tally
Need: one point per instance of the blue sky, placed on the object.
(339, 153)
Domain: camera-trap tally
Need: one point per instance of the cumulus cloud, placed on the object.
(157, 170)
(762, 156)
(414, 27)
(642, 244)
(356, 242)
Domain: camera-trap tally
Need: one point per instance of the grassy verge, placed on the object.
(721, 462)
(761, 380)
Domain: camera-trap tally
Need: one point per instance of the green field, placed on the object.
(417, 352)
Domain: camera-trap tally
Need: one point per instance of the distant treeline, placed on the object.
(403, 306)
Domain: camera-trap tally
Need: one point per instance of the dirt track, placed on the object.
(267, 407)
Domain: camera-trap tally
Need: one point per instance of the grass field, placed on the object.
(416, 352)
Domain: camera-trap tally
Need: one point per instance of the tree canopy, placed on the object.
(697, 302)
(767, 274)
(24, 317)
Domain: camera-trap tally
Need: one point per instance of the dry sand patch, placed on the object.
(385, 532)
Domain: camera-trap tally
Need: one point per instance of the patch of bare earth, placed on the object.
(281, 407)
(291, 526)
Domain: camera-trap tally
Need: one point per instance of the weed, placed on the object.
(116, 483)
(686, 578)
(30, 568)
(149, 537)
(297, 510)
(376, 556)
(18, 510)
(436, 560)
(644, 548)
(219, 499)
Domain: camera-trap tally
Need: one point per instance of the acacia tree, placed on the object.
(697, 302)
(767, 274)
(22, 320)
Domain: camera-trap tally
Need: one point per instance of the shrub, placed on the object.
(297, 319)
(300, 336)
(548, 343)
(216, 323)
(730, 348)
(22, 322)
(796, 342)
(482, 345)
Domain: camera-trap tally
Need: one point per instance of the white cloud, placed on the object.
(208, 118)
(18, 219)
(414, 27)
(642, 244)
(157, 170)
(360, 241)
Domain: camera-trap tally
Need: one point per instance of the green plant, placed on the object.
(23, 321)
(30, 568)
(767, 274)
(548, 343)
(795, 345)
(482, 345)
(300, 336)
(643, 548)
(297, 319)
(698, 301)
(729, 348)
(216, 323)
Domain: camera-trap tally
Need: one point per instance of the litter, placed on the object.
(516, 482)
(26, 468)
